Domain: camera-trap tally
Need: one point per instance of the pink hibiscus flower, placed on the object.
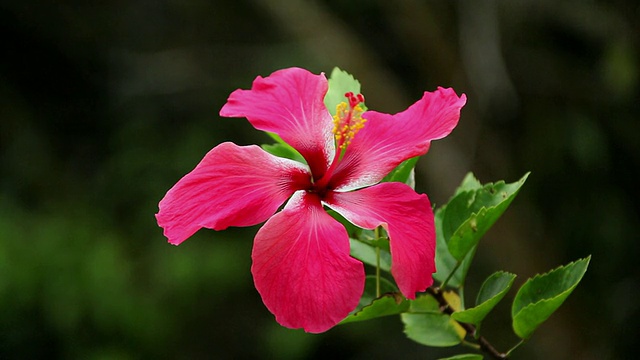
(301, 262)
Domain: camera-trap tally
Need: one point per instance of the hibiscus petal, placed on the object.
(290, 103)
(232, 186)
(408, 219)
(302, 267)
(387, 140)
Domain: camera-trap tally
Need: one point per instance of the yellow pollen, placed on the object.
(346, 123)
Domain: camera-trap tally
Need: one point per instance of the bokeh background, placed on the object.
(105, 105)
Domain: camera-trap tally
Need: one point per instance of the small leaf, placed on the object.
(403, 173)
(379, 240)
(387, 304)
(541, 295)
(367, 254)
(492, 291)
(381, 243)
(371, 307)
(496, 285)
(283, 148)
(425, 324)
(468, 183)
(445, 263)
(455, 216)
(340, 82)
(471, 213)
(283, 151)
(277, 138)
(369, 293)
(464, 357)
(352, 230)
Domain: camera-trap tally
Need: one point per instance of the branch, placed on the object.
(485, 345)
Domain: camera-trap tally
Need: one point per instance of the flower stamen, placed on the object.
(346, 123)
(348, 120)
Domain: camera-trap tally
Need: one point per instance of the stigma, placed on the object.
(348, 120)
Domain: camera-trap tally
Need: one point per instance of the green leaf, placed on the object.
(470, 182)
(283, 151)
(492, 291)
(445, 263)
(404, 173)
(471, 213)
(464, 357)
(388, 304)
(369, 293)
(371, 307)
(496, 286)
(391, 303)
(276, 137)
(541, 295)
(352, 230)
(340, 82)
(367, 254)
(425, 324)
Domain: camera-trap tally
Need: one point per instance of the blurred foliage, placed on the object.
(104, 106)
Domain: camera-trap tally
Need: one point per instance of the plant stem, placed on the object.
(484, 344)
(446, 281)
(515, 347)
(377, 236)
(471, 345)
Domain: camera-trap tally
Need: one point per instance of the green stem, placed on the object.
(377, 236)
(484, 344)
(471, 345)
(446, 281)
(515, 347)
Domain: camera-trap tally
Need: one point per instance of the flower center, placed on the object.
(348, 120)
(346, 123)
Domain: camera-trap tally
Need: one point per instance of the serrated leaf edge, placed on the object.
(568, 292)
(383, 296)
(485, 209)
(501, 272)
(538, 276)
(503, 292)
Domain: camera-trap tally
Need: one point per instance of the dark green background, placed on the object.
(105, 105)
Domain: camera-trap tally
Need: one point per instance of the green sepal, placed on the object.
(541, 295)
(340, 82)
(426, 325)
(471, 213)
(492, 291)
